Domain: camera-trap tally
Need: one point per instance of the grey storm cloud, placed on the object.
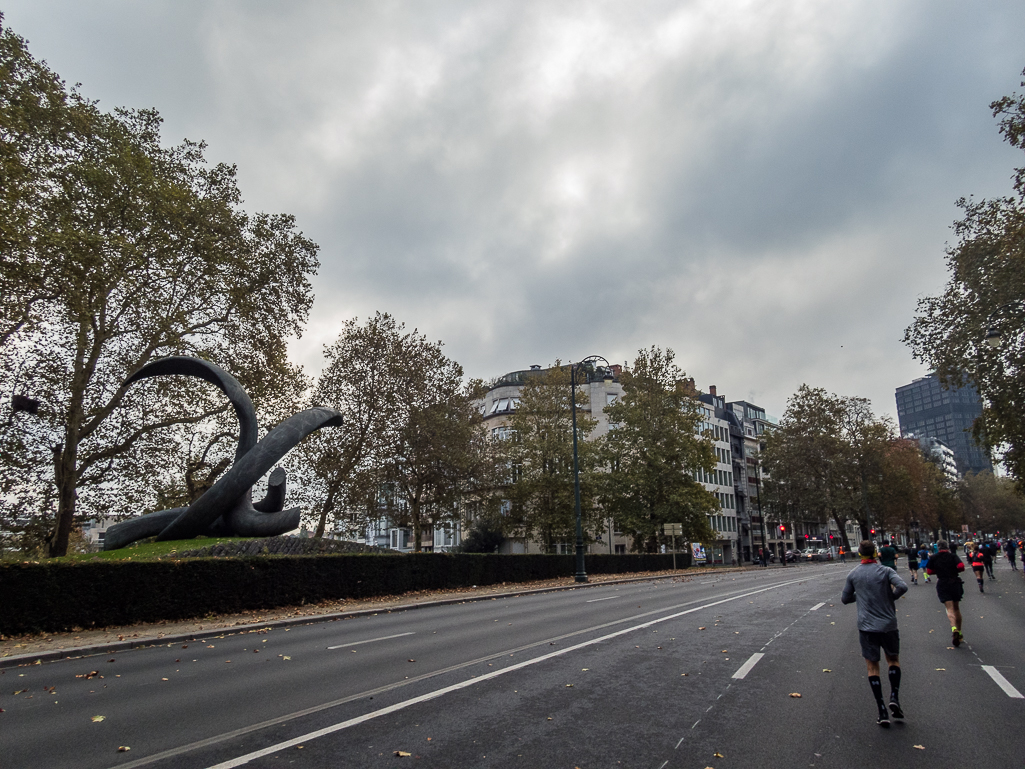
(764, 187)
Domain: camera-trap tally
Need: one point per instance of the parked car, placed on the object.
(792, 556)
(824, 554)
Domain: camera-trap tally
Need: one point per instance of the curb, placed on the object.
(19, 660)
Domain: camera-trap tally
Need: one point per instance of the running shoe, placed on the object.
(955, 637)
(895, 709)
(884, 717)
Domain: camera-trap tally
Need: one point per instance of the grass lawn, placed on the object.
(139, 551)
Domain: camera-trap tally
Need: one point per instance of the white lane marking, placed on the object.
(710, 582)
(370, 641)
(664, 765)
(679, 743)
(817, 606)
(1003, 683)
(245, 759)
(744, 669)
(602, 599)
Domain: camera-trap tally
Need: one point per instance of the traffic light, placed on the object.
(830, 536)
(873, 531)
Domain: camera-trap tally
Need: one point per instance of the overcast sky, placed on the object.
(766, 187)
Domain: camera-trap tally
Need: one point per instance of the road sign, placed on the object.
(964, 528)
(672, 529)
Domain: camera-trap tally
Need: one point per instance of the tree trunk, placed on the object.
(65, 475)
(414, 518)
(841, 525)
(328, 504)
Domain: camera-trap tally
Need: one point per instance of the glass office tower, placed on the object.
(925, 409)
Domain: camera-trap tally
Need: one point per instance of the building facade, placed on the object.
(925, 409)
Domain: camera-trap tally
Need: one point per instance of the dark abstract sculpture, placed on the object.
(227, 507)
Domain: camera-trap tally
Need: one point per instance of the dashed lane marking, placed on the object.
(609, 598)
(1003, 683)
(370, 641)
(271, 749)
(744, 669)
(817, 606)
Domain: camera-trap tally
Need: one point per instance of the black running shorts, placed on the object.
(950, 589)
(871, 642)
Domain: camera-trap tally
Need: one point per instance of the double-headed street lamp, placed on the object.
(588, 365)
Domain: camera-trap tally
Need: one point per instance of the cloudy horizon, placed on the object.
(767, 188)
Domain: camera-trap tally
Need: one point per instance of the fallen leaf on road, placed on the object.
(549, 718)
(584, 670)
(700, 628)
(941, 668)
(402, 753)
(569, 686)
(21, 691)
(90, 674)
(410, 660)
(723, 651)
(683, 674)
(163, 679)
(795, 695)
(226, 662)
(918, 747)
(97, 719)
(826, 670)
(123, 749)
(210, 647)
(718, 755)
(286, 657)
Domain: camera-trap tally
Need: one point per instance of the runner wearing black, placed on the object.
(949, 588)
(975, 558)
(912, 553)
(1012, 553)
(988, 551)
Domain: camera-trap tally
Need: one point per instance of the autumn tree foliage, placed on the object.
(985, 297)
(538, 460)
(652, 454)
(118, 250)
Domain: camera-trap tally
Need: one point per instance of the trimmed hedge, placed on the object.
(51, 597)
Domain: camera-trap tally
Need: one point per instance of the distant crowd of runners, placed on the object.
(876, 586)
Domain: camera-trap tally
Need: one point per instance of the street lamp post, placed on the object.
(581, 574)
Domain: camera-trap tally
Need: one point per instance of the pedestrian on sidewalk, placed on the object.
(1012, 553)
(912, 553)
(949, 588)
(843, 554)
(875, 588)
(973, 552)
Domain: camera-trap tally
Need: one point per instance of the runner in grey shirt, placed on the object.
(875, 588)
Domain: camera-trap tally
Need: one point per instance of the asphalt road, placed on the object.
(652, 674)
